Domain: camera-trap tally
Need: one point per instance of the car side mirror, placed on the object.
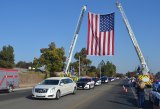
(61, 84)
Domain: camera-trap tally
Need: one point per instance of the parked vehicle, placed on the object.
(97, 81)
(154, 95)
(104, 79)
(111, 79)
(9, 79)
(54, 87)
(85, 83)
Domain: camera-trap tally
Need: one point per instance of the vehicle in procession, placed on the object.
(54, 87)
(104, 79)
(85, 83)
(97, 81)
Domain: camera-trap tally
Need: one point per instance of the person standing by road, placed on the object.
(141, 94)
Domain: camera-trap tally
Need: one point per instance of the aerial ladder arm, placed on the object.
(68, 61)
(145, 68)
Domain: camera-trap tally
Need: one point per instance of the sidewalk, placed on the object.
(23, 88)
(147, 104)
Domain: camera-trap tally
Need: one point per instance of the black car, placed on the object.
(104, 79)
(97, 81)
(111, 79)
(85, 83)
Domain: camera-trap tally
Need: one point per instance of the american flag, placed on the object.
(100, 34)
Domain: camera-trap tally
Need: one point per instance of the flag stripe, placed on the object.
(88, 44)
(112, 42)
(92, 34)
(96, 37)
(100, 43)
(104, 43)
(102, 39)
(108, 52)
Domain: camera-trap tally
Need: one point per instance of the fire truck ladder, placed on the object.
(144, 66)
(68, 60)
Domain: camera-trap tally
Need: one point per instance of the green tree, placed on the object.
(7, 57)
(92, 69)
(52, 58)
(23, 64)
(85, 63)
(131, 74)
(75, 65)
(108, 69)
(119, 75)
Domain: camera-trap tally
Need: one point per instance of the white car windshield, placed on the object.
(50, 82)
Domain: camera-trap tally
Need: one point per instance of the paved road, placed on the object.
(106, 96)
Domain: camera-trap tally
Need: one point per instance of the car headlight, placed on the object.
(52, 90)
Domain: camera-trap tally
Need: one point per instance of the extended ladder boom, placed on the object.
(145, 69)
(75, 38)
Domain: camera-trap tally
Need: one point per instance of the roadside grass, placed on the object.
(29, 79)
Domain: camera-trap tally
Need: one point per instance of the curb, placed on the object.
(17, 89)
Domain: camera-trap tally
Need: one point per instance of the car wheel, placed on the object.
(89, 87)
(74, 91)
(58, 95)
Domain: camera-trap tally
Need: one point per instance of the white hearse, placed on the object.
(54, 87)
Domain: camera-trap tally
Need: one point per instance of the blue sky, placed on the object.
(29, 25)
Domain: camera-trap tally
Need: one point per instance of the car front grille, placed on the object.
(81, 85)
(38, 90)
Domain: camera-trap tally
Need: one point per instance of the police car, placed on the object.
(85, 83)
(97, 81)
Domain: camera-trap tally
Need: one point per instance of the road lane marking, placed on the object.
(87, 99)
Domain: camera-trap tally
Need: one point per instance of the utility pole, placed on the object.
(75, 38)
(79, 67)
